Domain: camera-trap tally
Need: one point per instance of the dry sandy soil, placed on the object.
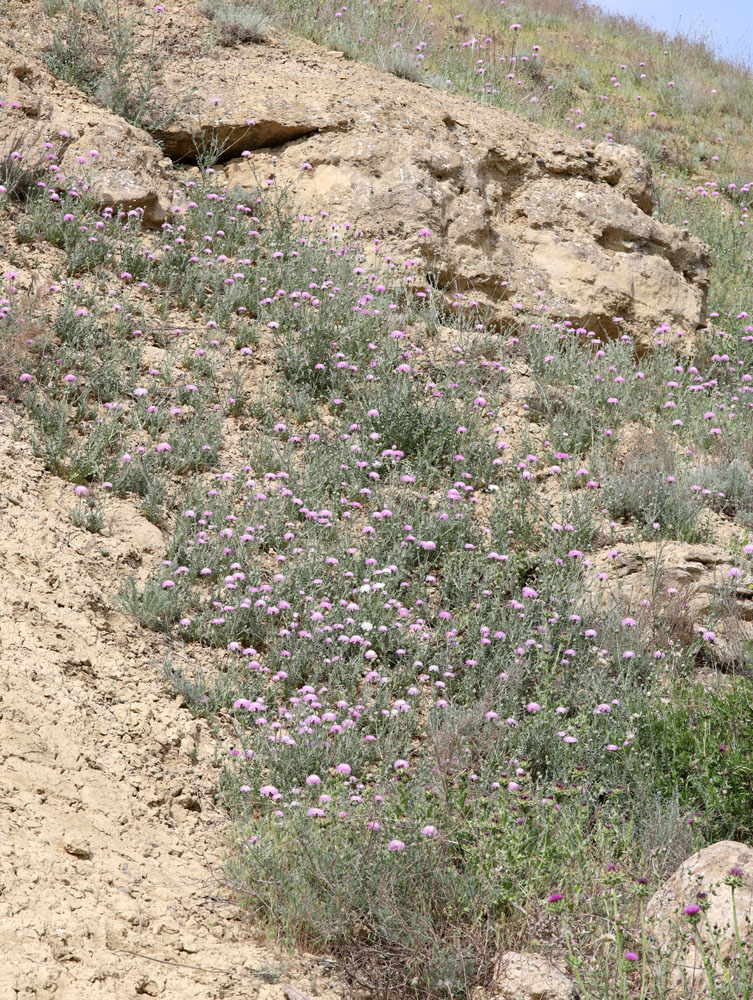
(110, 840)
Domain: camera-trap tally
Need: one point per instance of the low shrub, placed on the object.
(236, 22)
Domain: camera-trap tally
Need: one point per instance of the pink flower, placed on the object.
(396, 845)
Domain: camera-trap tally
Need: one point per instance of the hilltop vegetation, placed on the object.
(448, 727)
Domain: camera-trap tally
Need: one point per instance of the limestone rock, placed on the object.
(129, 170)
(524, 976)
(513, 209)
(693, 577)
(704, 872)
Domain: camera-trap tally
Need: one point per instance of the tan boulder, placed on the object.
(673, 929)
(129, 170)
(524, 976)
(513, 209)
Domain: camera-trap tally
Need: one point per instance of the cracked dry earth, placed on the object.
(110, 841)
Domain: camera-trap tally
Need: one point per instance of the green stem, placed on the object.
(620, 957)
(740, 949)
(714, 937)
(707, 966)
(643, 953)
(575, 967)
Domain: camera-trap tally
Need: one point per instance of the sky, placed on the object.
(726, 24)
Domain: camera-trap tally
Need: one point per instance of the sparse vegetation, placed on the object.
(236, 22)
(110, 52)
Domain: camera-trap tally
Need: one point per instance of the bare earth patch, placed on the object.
(110, 840)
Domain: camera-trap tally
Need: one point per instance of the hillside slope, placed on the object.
(112, 846)
(376, 503)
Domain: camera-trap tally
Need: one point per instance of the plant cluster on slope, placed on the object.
(395, 568)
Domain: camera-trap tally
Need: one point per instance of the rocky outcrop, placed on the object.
(702, 884)
(499, 208)
(698, 583)
(124, 165)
